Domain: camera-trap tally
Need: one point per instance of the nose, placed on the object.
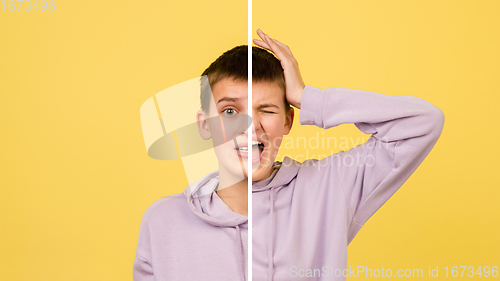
(256, 125)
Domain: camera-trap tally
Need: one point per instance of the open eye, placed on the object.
(229, 112)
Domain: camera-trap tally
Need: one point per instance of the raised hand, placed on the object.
(293, 80)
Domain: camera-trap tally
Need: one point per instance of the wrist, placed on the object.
(297, 101)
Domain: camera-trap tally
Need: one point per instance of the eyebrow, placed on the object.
(230, 99)
(265, 105)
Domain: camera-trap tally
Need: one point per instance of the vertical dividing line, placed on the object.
(250, 168)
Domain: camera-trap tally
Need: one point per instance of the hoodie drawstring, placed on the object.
(271, 237)
(240, 253)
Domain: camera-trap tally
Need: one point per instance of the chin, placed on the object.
(233, 168)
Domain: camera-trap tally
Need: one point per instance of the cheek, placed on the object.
(275, 129)
(222, 132)
(275, 126)
(224, 151)
(225, 129)
(277, 142)
(273, 123)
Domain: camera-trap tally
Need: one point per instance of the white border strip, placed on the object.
(250, 168)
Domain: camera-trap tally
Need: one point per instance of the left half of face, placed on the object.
(227, 125)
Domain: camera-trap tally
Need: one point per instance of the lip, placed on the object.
(245, 154)
(245, 143)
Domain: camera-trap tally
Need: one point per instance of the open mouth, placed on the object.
(257, 150)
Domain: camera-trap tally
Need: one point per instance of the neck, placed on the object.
(266, 176)
(235, 195)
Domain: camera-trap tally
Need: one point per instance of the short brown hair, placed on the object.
(233, 64)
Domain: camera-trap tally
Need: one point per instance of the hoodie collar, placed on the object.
(208, 206)
(284, 172)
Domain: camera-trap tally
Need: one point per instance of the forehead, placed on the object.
(263, 92)
(267, 92)
(228, 90)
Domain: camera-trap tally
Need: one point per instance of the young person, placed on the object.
(306, 214)
(202, 234)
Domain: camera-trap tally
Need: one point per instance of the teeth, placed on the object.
(245, 148)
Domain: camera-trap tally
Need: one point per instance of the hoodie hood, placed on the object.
(208, 206)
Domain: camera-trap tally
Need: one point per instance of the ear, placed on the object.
(289, 121)
(203, 128)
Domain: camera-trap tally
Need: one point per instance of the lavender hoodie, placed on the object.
(306, 214)
(192, 236)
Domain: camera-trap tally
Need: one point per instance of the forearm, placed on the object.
(389, 118)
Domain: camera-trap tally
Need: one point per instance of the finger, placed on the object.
(276, 48)
(284, 47)
(261, 34)
(265, 38)
(261, 44)
(273, 45)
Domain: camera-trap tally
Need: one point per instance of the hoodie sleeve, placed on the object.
(403, 131)
(143, 269)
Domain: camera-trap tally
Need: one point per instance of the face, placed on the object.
(227, 126)
(270, 123)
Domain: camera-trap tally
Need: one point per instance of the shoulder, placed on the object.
(167, 208)
(293, 167)
(323, 171)
(316, 166)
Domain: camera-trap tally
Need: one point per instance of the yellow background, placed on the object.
(446, 52)
(75, 175)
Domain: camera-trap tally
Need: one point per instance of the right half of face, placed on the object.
(269, 125)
